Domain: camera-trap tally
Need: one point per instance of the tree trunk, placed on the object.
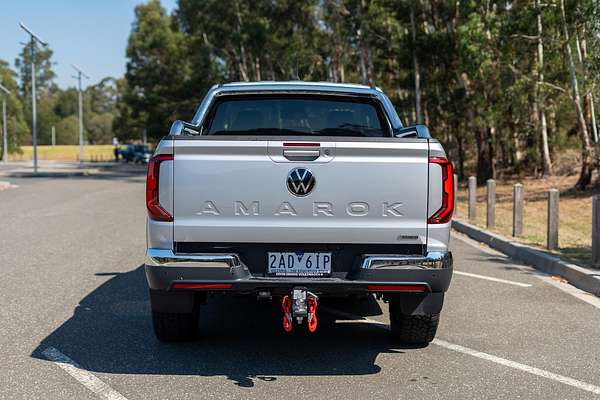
(588, 104)
(485, 169)
(363, 50)
(518, 154)
(417, 74)
(257, 69)
(461, 153)
(546, 161)
(585, 176)
(590, 99)
(241, 57)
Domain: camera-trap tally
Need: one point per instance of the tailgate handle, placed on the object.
(301, 155)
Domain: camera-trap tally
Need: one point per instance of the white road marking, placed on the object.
(521, 367)
(484, 356)
(572, 290)
(489, 278)
(86, 378)
(565, 287)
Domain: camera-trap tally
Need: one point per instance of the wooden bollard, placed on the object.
(517, 210)
(596, 231)
(552, 242)
(491, 204)
(472, 198)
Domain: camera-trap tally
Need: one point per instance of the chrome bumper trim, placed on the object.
(433, 260)
(165, 257)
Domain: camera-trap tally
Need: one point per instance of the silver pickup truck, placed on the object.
(295, 191)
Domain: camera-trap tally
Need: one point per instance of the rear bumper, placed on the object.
(226, 272)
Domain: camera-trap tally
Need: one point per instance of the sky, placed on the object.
(91, 34)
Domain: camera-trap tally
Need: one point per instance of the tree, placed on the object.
(17, 127)
(45, 87)
(100, 128)
(44, 75)
(157, 72)
(67, 130)
(487, 77)
(539, 100)
(587, 151)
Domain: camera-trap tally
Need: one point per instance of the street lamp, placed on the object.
(33, 39)
(4, 124)
(80, 73)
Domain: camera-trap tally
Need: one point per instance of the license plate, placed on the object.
(299, 263)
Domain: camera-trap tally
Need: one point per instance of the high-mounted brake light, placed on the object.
(444, 214)
(155, 210)
(296, 144)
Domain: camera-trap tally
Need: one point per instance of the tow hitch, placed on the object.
(299, 304)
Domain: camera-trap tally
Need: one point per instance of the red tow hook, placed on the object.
(286, 306)
(299, 304)
(312, 313)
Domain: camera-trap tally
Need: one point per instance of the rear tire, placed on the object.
(413, 329)
(175, 327)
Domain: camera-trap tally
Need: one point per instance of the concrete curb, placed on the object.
(582, 278)
(51, 174)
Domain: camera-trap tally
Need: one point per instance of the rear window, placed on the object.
(306, 116)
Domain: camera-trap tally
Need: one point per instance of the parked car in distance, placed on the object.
(136, 153)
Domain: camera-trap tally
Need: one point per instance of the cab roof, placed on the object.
(296, 85)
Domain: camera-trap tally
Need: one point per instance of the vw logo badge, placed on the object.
(300, 182)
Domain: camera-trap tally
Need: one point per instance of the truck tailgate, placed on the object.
(364, 190)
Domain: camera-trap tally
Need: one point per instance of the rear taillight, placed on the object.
(444, 214)
(155, 210)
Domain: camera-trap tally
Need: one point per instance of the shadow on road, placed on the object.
(111, 331)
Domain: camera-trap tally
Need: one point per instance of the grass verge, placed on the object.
(575, 215)
(102, 152)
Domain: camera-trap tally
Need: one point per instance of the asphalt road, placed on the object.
(75, 321)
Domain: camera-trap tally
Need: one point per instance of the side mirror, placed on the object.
(183, 128)
(419, 131)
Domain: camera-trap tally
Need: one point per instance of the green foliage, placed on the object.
(44, 75)
(67, 130)
(100, 128)
(59, 108)
(480, 75)
(16, 125)
(157, 72)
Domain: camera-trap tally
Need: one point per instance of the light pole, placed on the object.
(4, 125)
(33, 39)
(80, 73)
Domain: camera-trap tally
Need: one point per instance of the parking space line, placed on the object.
(572, 290)
(563, 286)
(86, 378)
(522, 367)
(489, 278)
(484, 356)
